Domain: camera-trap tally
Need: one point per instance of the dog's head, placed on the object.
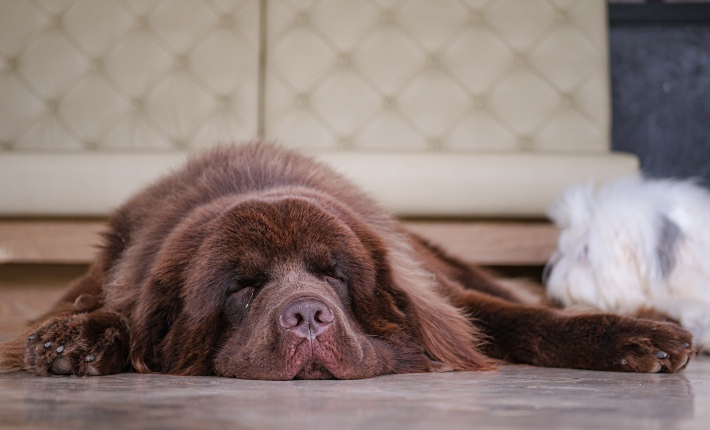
(285, 285)
(616, 246)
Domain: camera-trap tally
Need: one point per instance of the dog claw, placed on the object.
(48, 344)
(90, 357)
(661, 354)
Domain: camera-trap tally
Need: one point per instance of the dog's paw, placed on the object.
(81, 344)
(648, 346)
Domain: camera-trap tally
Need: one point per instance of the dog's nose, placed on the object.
(306, 317)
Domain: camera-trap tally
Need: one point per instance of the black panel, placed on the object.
(659, 13)
(661, 95)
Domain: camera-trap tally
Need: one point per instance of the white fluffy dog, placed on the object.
(633, 246)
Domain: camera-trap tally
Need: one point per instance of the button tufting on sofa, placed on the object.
(120, 91)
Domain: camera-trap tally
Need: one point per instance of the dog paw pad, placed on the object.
(92, 371)
(81, 344)
(62, 366)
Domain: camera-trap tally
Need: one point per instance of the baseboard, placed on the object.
(514, 243)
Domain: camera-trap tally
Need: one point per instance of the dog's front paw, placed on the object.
(81, 344)
(647, 346)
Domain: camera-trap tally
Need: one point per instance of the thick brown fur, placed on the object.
(259, 263)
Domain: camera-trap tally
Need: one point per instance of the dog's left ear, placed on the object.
(449, 339)
(669, 236)
(406, 292)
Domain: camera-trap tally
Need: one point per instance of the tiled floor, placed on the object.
(515, 397)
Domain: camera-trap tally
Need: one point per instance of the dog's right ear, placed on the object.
(158, 308)
(161, 300)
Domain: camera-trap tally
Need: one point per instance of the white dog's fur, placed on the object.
(632, 245)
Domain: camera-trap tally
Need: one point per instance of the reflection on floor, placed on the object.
(514, 397)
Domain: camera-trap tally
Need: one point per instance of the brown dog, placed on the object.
(255, 262)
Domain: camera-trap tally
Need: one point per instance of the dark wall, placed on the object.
(661, 97)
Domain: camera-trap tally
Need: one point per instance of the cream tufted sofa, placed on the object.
(445, 108)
